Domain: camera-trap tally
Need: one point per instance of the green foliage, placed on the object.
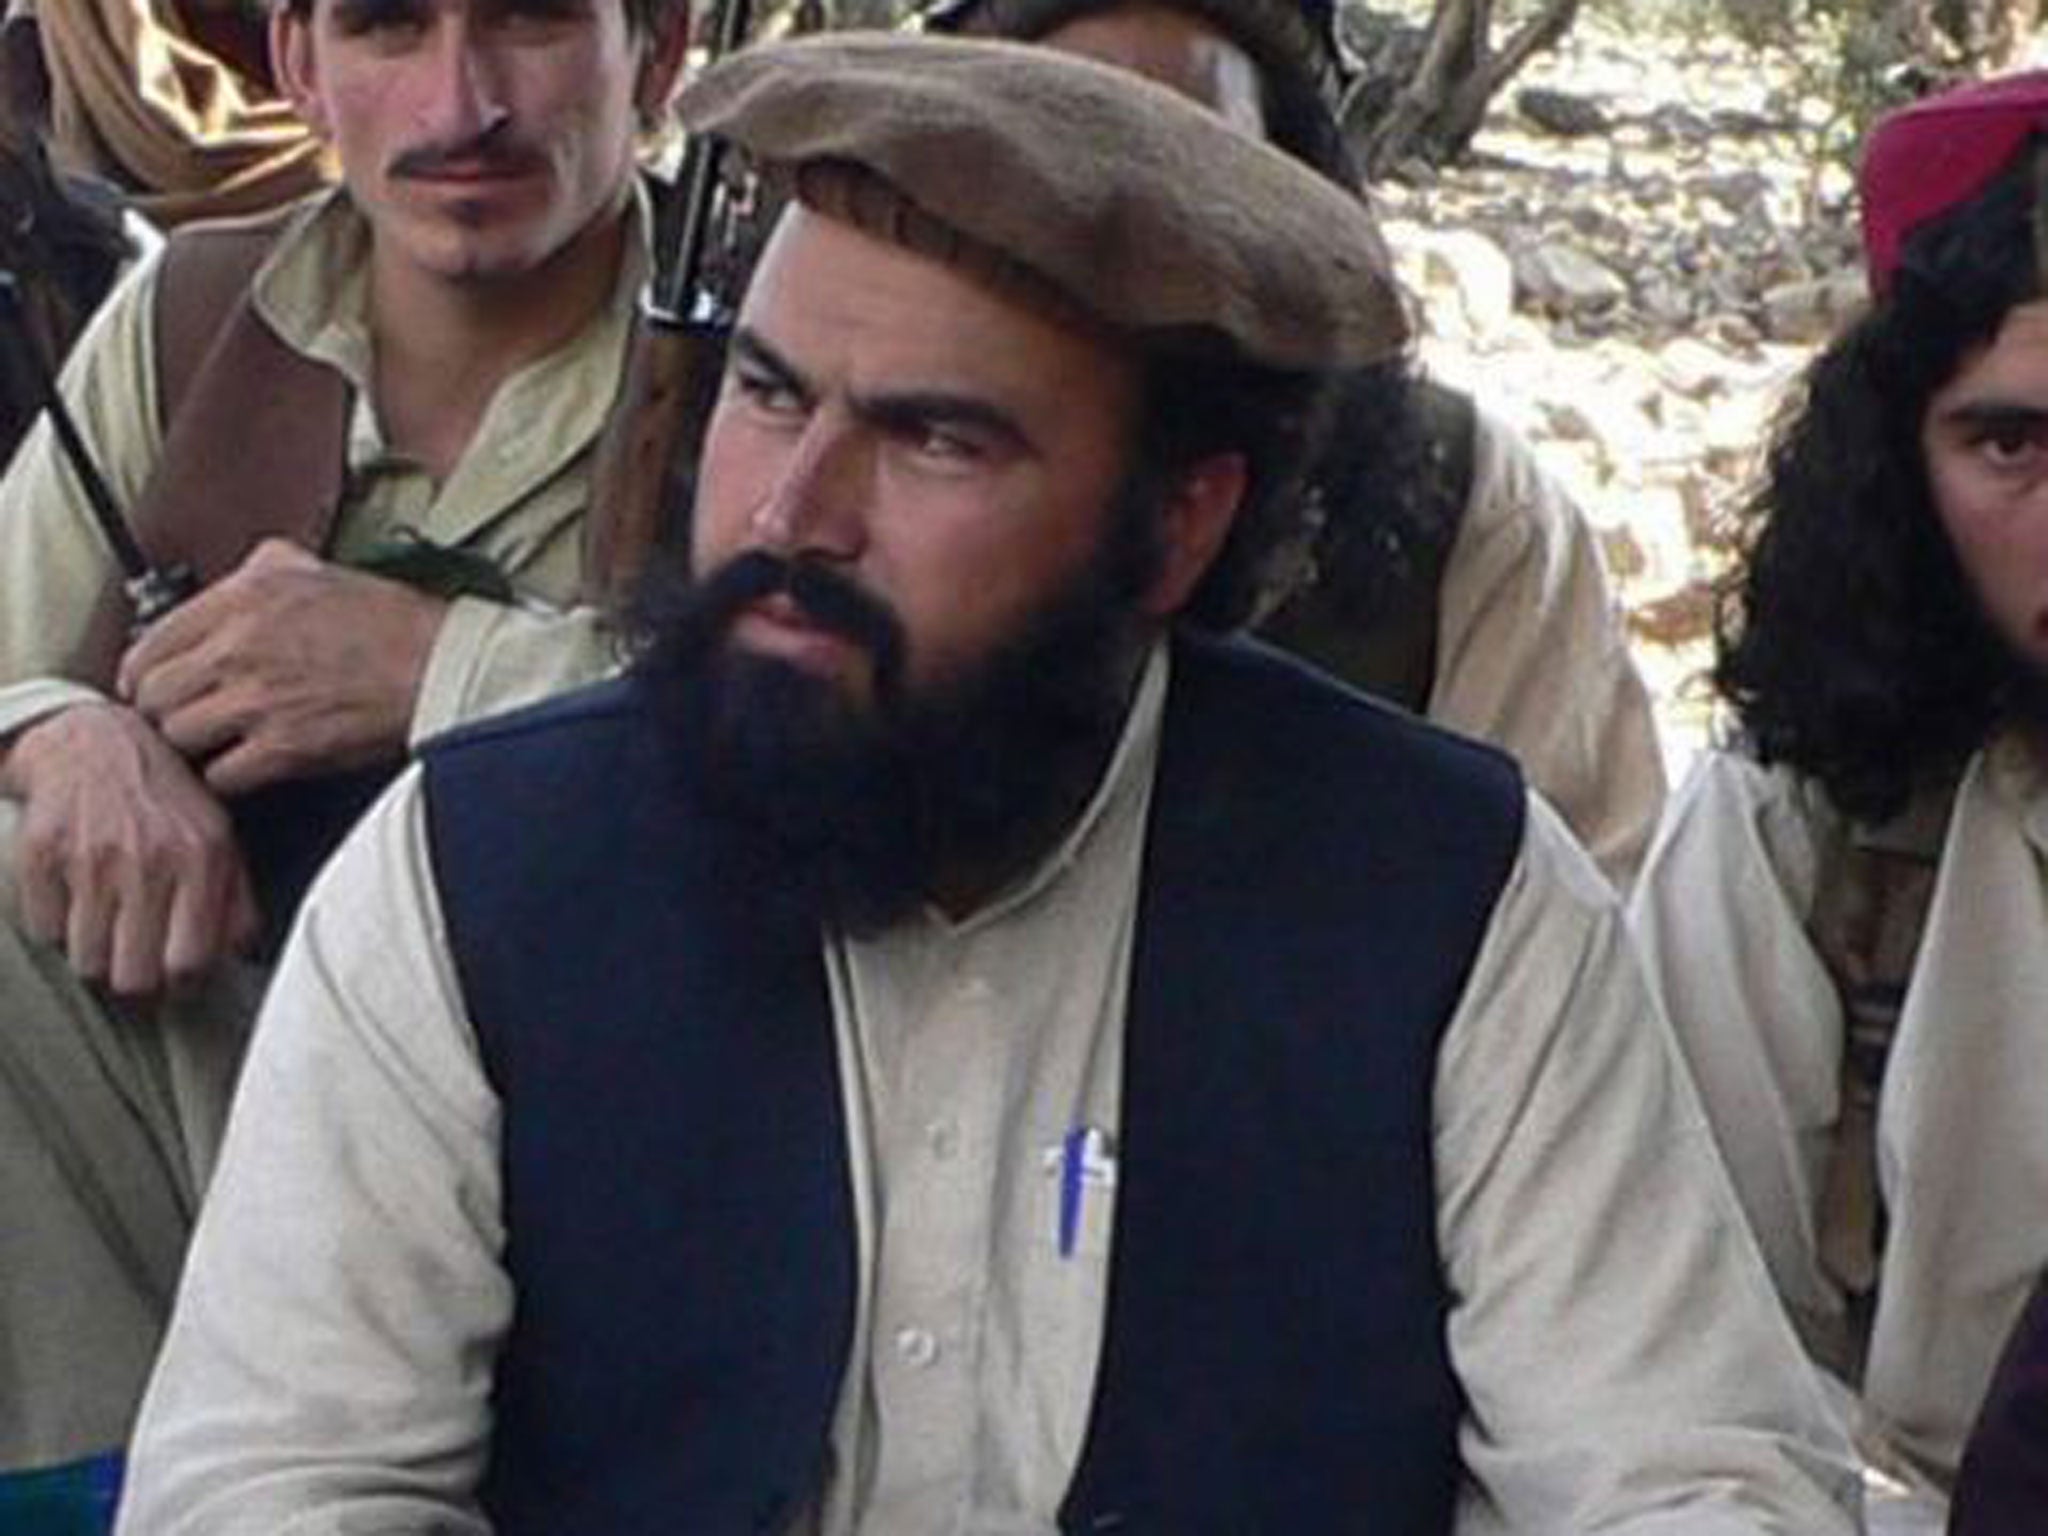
(1860, 58)
(1885, 51)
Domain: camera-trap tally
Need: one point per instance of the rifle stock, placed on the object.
(645, 458)
(647, 454)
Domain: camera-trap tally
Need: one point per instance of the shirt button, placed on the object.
(915, 1347)
(943, 1138)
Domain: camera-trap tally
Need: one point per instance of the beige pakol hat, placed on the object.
(1138, 208)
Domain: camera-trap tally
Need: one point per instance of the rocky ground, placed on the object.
(1637, 260)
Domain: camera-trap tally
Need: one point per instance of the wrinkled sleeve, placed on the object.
(1720, 917)
(1531, 656)
(304, 1389)
(54, 562)
(1626, 1366)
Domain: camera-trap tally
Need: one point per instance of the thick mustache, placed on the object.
(824, 596)
(497, 151)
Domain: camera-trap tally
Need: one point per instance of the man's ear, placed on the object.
(1193, 524)
(668, 44)
(291, 61)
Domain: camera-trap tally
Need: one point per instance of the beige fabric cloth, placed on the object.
(1136, 205)
(109, 1121)
(1961, 1133)
(517, 496)
(107, 1118)
(136, 100)
(1531, 655)
(1626, 1369)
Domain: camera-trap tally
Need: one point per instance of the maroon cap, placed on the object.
(1930, 157)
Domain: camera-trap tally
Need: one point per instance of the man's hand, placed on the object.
(125, 859)
(288, 667)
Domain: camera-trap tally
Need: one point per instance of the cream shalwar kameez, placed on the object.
(1627, 1371)
(1962, 1128)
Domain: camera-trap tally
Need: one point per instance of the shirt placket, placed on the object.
(942, 1123)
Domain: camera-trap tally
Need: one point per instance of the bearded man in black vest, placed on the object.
(952, 1044)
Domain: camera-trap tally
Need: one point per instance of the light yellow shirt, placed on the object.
(1962, 1130)
(517, 495)
(1627, 1371)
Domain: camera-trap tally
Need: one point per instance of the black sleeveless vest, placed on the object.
(1319, 871)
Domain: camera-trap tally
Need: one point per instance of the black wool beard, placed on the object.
(863, 812)
(2024, 697)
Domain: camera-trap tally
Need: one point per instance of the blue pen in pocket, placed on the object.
(1086, 1161)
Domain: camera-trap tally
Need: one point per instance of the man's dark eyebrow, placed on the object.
(750, 351)
(360, 15)
(1993, 412)
(904, 411)
(915, 410)
(544, 8)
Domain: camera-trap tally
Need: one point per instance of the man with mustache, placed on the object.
(950, 1043)
(408, 373)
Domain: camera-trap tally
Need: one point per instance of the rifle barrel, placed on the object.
(671, 296)
(135, 565)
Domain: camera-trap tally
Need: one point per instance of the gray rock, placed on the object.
(1561, 113)
(1563, 280)
(1653, 191)
(1733, 331)
(1693, 370)
(1567, 423)
(1778, 269)
(1807, 313)
(1597, 224)
(1664, 301)
(1673, 121)
(1740, 192)
(1462, 268)
(1739, 123)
